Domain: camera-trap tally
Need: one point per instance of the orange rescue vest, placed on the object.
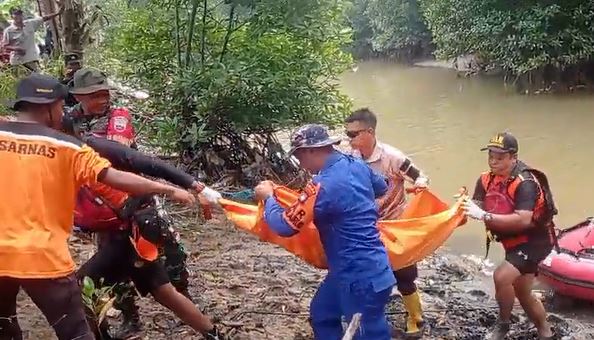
(543, 212)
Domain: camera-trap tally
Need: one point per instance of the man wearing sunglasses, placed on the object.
(397, 168)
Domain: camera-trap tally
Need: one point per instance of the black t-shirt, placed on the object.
(525, 196)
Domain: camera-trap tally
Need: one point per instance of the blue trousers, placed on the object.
(335, 299)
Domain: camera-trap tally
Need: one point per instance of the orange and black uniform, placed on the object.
(521, 191)
(40, 175)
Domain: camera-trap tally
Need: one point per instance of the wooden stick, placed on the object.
(353, 327)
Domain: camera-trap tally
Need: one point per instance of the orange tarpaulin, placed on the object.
(424, 226)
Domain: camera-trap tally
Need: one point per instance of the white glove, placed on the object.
(421, 182)
(473, 210)
(211, 195)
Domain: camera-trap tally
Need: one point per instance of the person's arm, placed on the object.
(288, 222)
(409, 170)
(520, 220)
(404, 167)
(90, 167)
(273, 214)
(128, 159)
(137, 185)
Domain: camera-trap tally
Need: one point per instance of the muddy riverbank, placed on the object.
(258, 291)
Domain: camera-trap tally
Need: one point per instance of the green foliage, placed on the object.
(393, 28)
(519, 36)
(7, 87)
(97, 299)
(226, 71)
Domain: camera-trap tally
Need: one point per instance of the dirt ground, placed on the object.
(258, 291)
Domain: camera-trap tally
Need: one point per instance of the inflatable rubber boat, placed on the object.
(569, 270)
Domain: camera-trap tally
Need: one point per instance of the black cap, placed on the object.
(502, 142)
(15, 10)
(38, 89)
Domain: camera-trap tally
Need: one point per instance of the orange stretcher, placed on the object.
(424, 226)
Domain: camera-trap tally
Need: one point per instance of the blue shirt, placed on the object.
(346, 217)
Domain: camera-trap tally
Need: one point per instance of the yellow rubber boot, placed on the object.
(414, 319)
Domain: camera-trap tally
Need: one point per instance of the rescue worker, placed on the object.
(340, 201)
(398, 169)
(72, 63)
(516, 205)
(42, 169)
(119, 260)
(95, 115)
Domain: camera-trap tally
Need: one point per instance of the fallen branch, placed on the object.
(353, 327)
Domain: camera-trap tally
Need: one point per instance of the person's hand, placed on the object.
(264, 190)
(421, 183)
(198, 186)
(182, 196)
(473, 210)
(211, 195)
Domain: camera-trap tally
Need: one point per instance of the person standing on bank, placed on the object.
(397, 168)
(341, 202)
(516, 205)
(19, 38)
(42, 170)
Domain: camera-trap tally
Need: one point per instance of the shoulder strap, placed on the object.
(519, 178)
(543, 182)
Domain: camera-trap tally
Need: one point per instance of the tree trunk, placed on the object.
(73, 26)
(47, 7)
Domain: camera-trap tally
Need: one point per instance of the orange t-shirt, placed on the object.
(40, 174)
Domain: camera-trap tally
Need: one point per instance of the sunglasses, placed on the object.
(354, 134)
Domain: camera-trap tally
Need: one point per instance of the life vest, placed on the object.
(94, 213)
(500, 199)
(119, 127)
(115, 124)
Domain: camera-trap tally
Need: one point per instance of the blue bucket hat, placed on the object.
(312, 136)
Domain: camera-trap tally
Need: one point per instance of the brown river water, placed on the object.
(442, 121)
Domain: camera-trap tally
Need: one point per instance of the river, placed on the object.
(442, 121)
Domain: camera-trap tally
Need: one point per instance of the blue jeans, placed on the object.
(335, 299)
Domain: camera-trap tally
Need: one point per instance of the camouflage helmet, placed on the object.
(311, 136)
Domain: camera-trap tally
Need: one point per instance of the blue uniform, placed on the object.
(359, 276)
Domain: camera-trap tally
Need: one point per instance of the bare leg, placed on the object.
(532, 306)
(183, 308)
(504, 277)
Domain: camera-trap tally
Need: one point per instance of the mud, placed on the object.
(258, 291)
